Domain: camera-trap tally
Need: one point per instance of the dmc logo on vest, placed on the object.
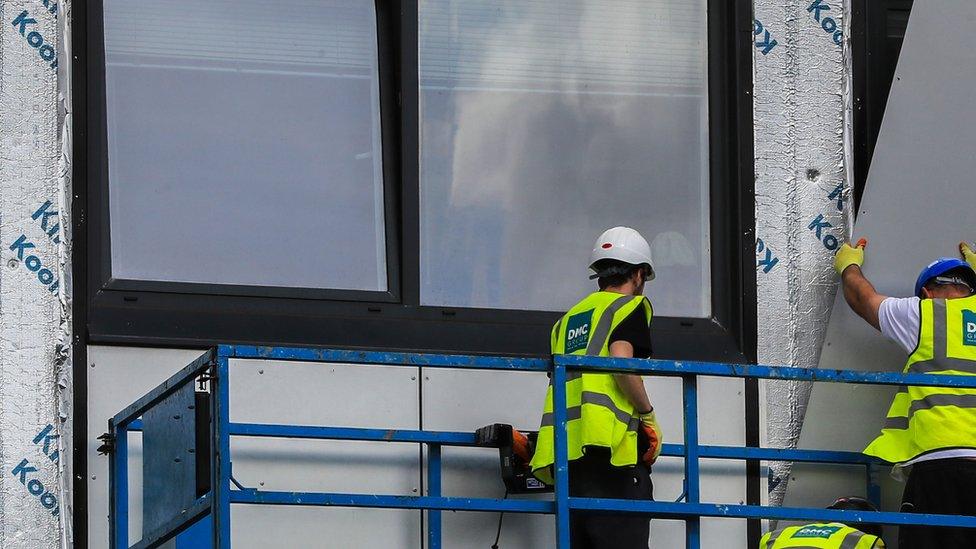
(578, 331)
(968, 327)
(816, 532)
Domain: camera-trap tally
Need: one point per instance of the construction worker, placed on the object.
(930, 428)
(613, 435)
(829, 535)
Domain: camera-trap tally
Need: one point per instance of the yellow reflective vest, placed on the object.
(598, 412)
(833, 535)
(925, 419)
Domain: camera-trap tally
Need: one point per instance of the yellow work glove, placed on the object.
(968, 254)
(848, 255)
(653, 432)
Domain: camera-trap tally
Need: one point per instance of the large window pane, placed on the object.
(546, 122)
(244, 142)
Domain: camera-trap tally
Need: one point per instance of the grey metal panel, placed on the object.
(916, 207)
(466, 400)
(291, 393)
(169, 466)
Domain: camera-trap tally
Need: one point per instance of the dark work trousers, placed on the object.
(592, 476)
(943, 486)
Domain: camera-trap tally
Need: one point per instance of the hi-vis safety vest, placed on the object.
(833, 535)
(598, 412)
(926, 419)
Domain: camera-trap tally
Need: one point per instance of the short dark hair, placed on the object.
(855, 503)
(959, 272)
(614, 273)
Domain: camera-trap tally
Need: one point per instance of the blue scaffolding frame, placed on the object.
(214, 366)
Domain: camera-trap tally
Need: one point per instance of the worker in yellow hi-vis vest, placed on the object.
(828, 535)
(932, 429)
(613, 435)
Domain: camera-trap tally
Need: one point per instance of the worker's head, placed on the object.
(621, 258)
(947, 278)
(854, 503)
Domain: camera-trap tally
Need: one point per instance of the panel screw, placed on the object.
(13, 263)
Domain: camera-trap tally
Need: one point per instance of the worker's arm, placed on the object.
(861, 295)
(858, 291)
(633, 387)
(630, 384)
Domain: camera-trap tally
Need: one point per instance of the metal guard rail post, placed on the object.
(217, 503)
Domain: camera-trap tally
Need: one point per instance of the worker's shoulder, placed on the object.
(900, 307)
(902, 302)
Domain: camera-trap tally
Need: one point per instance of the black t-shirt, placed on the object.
(635, 331)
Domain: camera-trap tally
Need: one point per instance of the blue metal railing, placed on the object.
(214, 366)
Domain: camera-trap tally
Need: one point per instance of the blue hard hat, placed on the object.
(940, 267)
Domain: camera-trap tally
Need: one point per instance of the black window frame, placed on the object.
(107, 311)
(192, 314)
(877, 32)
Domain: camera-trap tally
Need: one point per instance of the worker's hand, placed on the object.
(520, 446)
(653, 431)
(968, 254)
(848, 255)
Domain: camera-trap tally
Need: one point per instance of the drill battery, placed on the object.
(514, 452)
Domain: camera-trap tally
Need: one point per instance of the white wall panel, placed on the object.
(289, 393)
(466, 400)
(333, 395)
(117, 376)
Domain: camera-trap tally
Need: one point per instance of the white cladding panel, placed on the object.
(466, 400)
(377, 396)
(332, 395)
(117, 376)
(278, 392)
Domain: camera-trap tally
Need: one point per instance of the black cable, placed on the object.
(501, 516)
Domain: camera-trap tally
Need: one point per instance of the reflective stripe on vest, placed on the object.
(598, 412)
(601, 334)
(926, 419)
(833, 535)
(589, 397)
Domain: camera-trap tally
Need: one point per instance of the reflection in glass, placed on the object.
(244, 142)
(544, 123)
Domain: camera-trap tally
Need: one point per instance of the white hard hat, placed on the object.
(623, 244)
